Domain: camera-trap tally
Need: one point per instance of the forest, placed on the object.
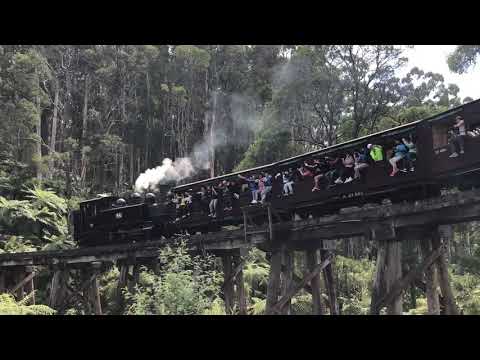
(82, 120)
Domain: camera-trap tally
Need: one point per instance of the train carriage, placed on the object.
(434, 168)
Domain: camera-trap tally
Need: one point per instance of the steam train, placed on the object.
(112, 219)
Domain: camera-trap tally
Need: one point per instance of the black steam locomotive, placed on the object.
(141, 218)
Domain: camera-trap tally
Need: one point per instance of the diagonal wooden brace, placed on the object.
(295, 288)
(401, 284)
(23, 282)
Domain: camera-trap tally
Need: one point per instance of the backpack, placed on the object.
(376, 153)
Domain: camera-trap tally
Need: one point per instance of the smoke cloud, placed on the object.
(169, 171)
(244, 119)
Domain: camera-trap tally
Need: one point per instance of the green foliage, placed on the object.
(354, 281)
(467, 292)
(270, 145)
(39, 221)
(463, 58)
(8, 306)
(186, 285)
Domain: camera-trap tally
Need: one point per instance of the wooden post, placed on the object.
(273, 286)
(228, 290)
(330, 284)
(30, 286)
(394, 273)
(97, 305)
(431, 293)
(95, 291)
(240, 284)
(122, 283)
(451, 307)
(57, 289)
(286, 277)
(2, 281)
(378, 287)
(18, 278)
(315, 283)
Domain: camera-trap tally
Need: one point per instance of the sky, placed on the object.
(434, 58)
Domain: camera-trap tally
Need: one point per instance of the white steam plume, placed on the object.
(169, 171)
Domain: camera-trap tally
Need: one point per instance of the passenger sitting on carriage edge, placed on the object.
(304, 171)
(319, 168)
(253, 186)
(360, 162)
(233, 192)
(213, 201)
(334, 169)
(459, 137)
(347, 171)
(287, 181)
(400, 151)
(412, 153)
(267, 186)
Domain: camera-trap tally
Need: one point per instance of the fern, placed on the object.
(8, 306)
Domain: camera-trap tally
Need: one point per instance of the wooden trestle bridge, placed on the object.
(387, 225)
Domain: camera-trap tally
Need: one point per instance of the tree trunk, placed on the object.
(84, 129)
(38, 148)
(53, 135)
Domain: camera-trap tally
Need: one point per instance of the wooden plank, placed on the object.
(315, 283)
(273, 286)
(299, 286)
(402, 284)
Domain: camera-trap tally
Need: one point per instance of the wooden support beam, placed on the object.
(95, 294)
(393, 274)
(122, 283)
(295, 288)
(431, 279)
(441, 263)
(30, 290)
(240, 284)
(402, 284)
(286, 277)
(2, 281)
(329, 279)
(273, 286)
(57, 289)
(315, 283)
(228, 290)
(378, 287)
(23, 282)
(19, 277)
